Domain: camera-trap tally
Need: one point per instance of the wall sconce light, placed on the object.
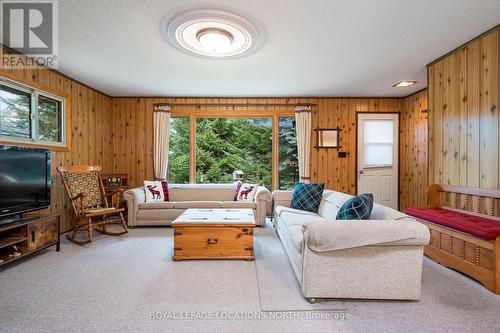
(327, 138)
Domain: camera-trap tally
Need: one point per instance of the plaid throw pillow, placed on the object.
(307, 196)
(358, 207)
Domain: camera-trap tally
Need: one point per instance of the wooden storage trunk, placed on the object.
(213, 242)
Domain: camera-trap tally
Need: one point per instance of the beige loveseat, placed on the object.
(184, 196)
(380, 258)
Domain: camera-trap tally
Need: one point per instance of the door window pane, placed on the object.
(15, 106)
(288, 165)
(49, 119)
(178, 156)
(224, 145)
(378, 142)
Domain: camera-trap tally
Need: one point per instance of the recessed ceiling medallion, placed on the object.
(211, 33)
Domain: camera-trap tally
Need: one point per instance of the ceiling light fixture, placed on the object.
(404, 84)
(215, 40)
(211, 34)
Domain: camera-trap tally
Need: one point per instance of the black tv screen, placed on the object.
(24, 179)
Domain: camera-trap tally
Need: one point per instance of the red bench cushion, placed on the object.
(474, 225)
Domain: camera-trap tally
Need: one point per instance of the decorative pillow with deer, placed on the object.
(246, 192)
(156, 191)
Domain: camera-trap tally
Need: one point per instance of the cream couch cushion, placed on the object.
(380, 212)
(300, 219)
(159, 214)
(202, 192)
(156, 205)
(197, 204)
(330, 204)
(238, 204)
(279, 210)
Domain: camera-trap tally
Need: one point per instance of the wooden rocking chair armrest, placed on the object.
(115, 201)
(78, 210)
(104, 212)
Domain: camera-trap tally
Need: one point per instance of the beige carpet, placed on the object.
(115, 284)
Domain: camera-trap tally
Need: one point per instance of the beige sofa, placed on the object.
(380, 258)
(184, 196)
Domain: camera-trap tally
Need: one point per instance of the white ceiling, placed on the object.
(311, 47)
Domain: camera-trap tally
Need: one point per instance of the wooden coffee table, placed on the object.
(214, 234)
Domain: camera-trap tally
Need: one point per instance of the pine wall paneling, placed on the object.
(133, 121)
(463, 115)
(464, 127)
(413, 145)
(90, 115)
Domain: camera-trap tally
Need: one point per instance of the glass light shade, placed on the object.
(215, 40)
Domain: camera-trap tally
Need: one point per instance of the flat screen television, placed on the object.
(24, 180)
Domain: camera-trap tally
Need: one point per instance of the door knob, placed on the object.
(360, 172)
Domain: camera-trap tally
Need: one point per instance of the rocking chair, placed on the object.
(90, 204)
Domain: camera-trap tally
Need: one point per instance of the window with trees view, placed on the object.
(227, 144)
(178, 160)
(288, 164)
(224, 145)
(30, 115)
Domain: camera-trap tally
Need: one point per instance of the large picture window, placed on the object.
(31, 116)
(224, 145)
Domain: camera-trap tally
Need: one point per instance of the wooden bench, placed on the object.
(473, 255)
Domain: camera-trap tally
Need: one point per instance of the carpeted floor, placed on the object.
(131, 284)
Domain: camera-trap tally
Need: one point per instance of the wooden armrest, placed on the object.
(102, 211)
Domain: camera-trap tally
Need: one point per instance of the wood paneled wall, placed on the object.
(90, 113)
(463, 115)
(133, 139)
(413, 148)
(340, 173)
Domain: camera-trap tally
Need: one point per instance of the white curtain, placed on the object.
(303, 127)
(161, 128)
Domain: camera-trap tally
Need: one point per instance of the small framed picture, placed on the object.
(327, 138)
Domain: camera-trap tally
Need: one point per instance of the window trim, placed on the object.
(35, 93)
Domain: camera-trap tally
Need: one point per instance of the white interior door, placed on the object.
(378, 135)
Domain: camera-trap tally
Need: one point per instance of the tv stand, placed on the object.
(16, 218)
(26, 235)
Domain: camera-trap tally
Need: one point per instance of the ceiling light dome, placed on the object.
(211, 33)
(215, 40)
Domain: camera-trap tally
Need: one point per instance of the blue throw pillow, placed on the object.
(307, 196)
(358, 207)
